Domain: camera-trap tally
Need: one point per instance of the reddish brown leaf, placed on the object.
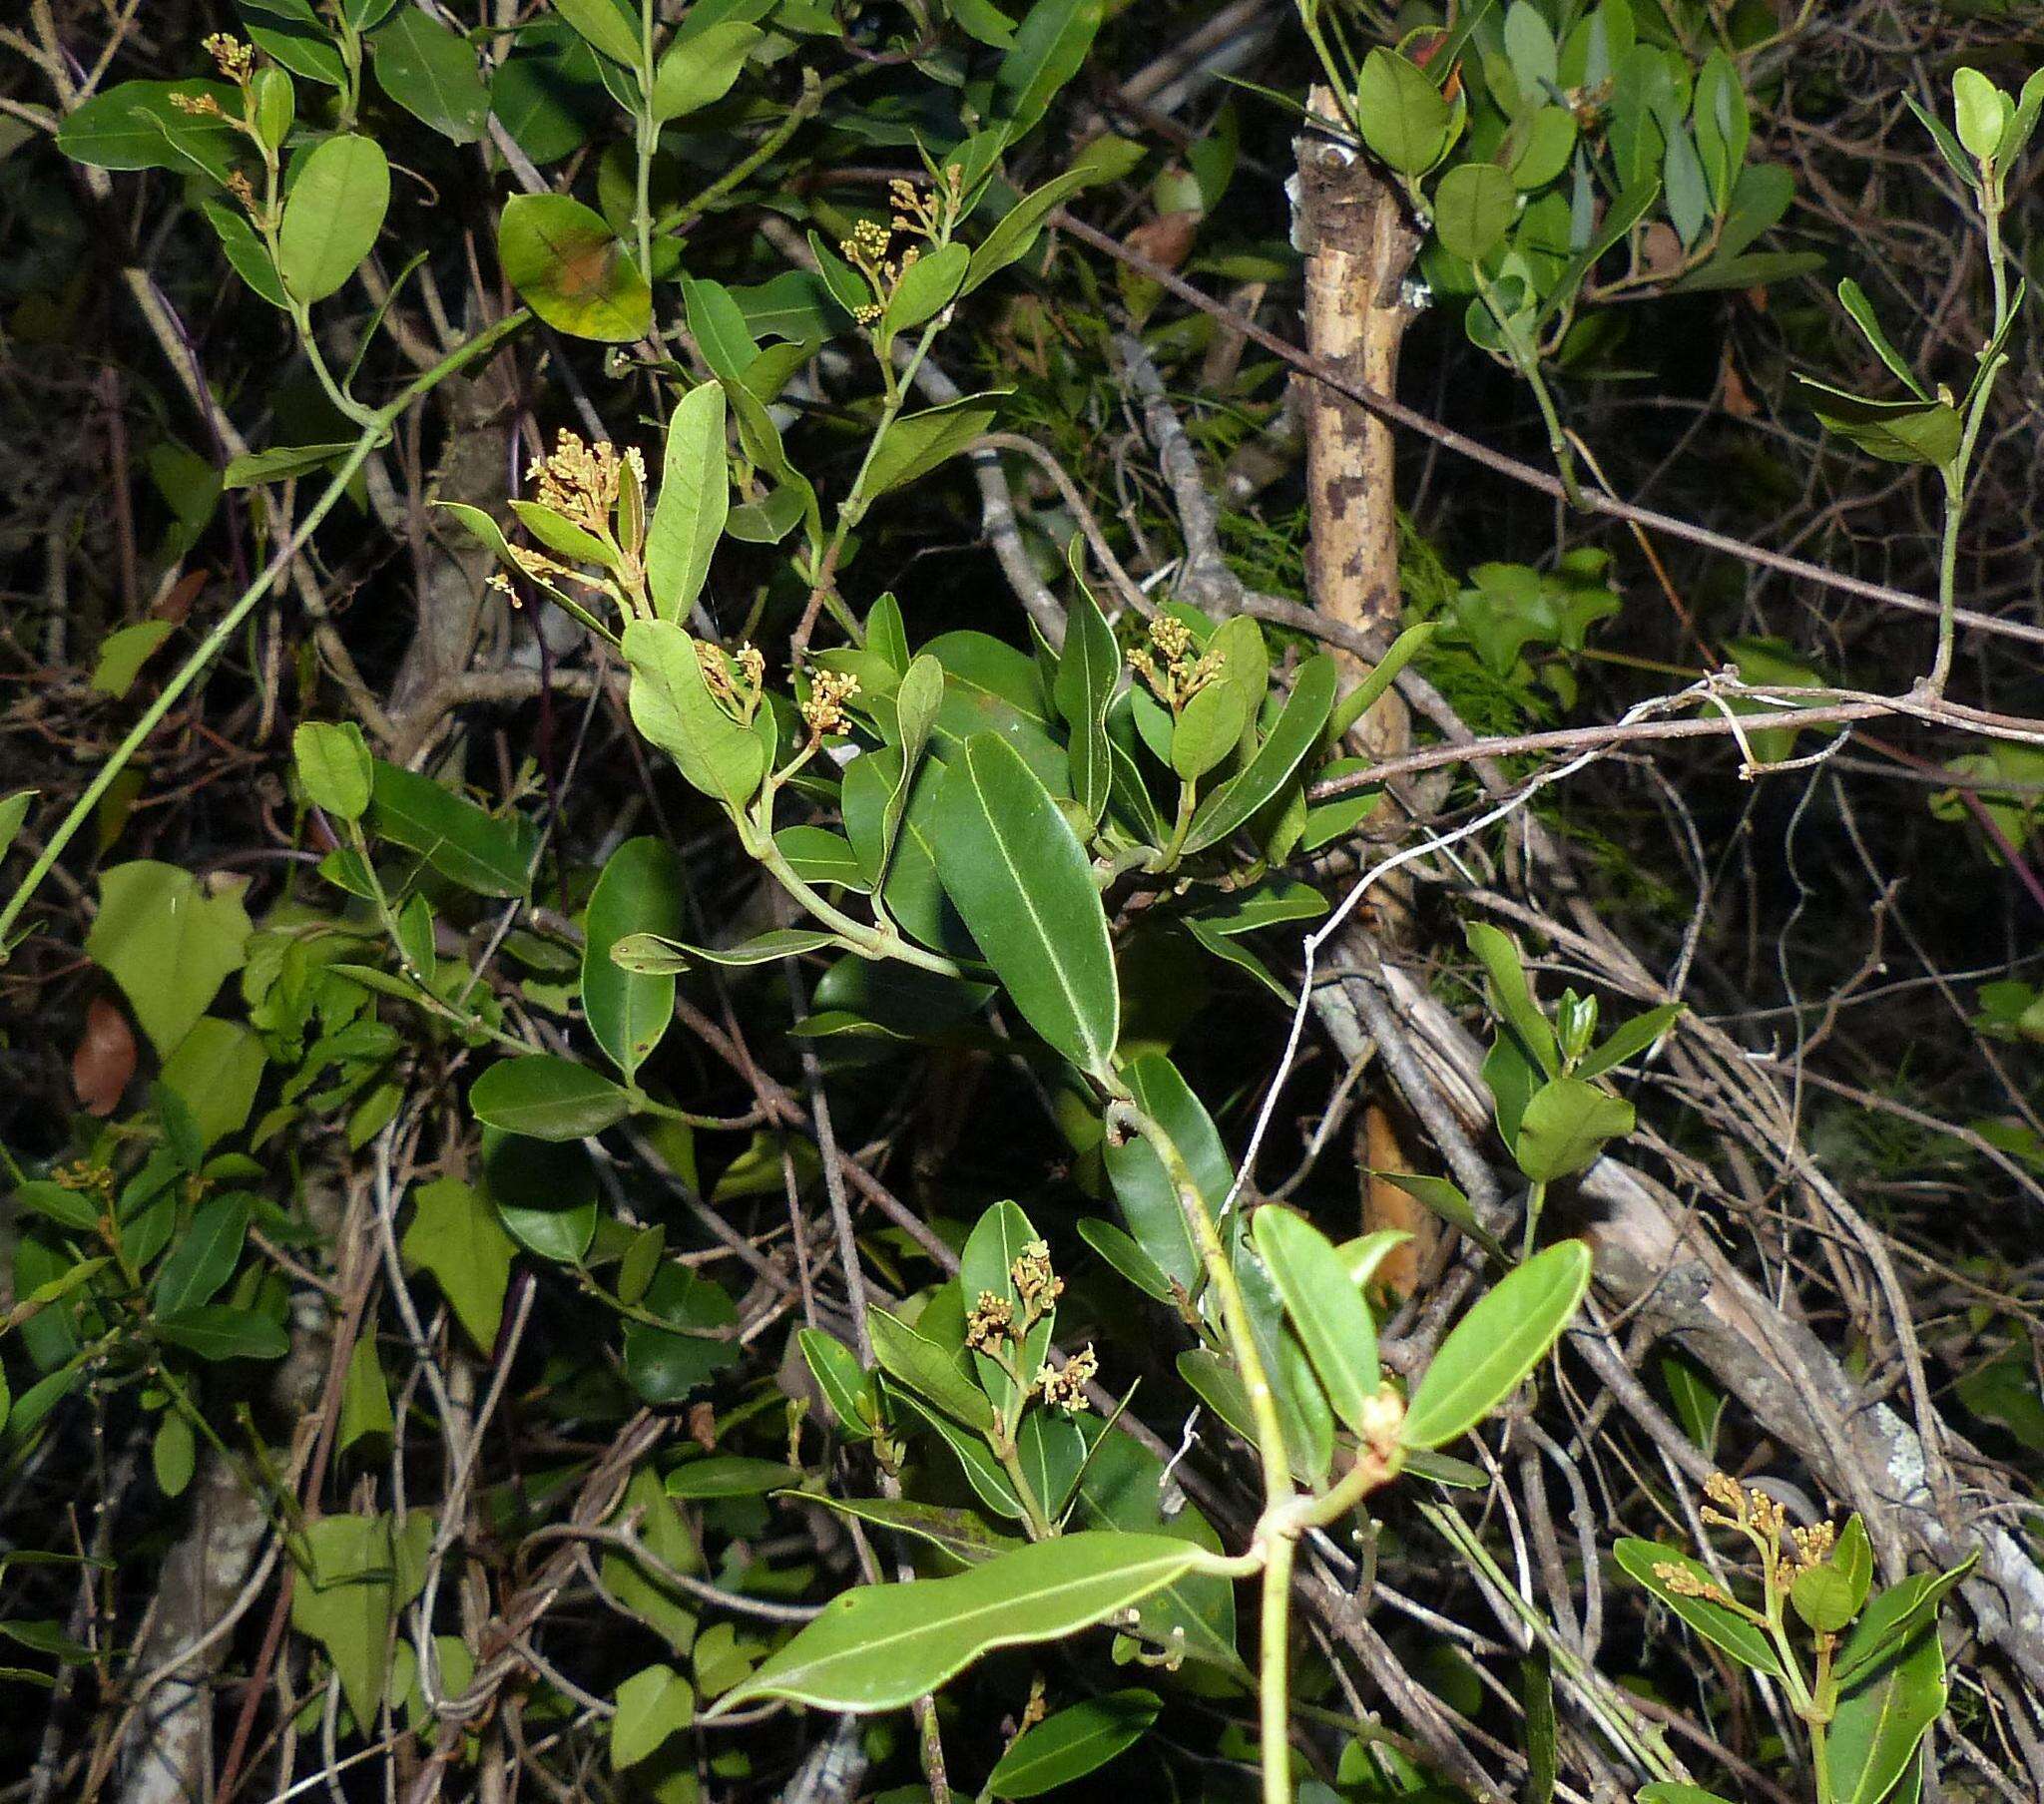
(105, 1058)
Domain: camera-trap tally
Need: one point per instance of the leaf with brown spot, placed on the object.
(105, 1060)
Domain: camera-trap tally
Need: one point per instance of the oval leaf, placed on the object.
(1020, 879)
(548, 1098)
(571, 269)
(332, 215)
(639, 891)
(1497, 1344)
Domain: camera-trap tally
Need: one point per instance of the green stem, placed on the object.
(1535, 1200)
(1167, 854)
(372, 435)
(868, 942)
(812, 96)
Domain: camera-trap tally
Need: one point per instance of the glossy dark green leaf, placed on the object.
(1880, 1722)
(1894, 1618)
(642, 890)
(665, 1367)
(879, 1647)
(1492, 1348)
(840, 1378)
(1071, 1743)
(431, 72)
(603, 25)
(927, 1367)
(548, 1098)
(1897, 432)
(1017, 874)
(1087, 673)
(728, 1474)
(1127, 1257)
(986, 1267)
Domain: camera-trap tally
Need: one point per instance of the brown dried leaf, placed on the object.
(105, 1058)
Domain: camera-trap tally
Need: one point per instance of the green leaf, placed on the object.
(216, 1332)
(1829, 1595)
(455, 1235)
(173, 1454)
(1542, 146)
(840, 1378)
(1894, 1618)
(206, 1254)
(602, 25)
(1646, 1563)
(1123, 1252)
(364, 1398)
(672, 707)
(926, 288)
(1880, 1723)
(215, 1074)
(571, 269)
(1630, 1041)
(882, 1646)
(1495, 1345)
(653, 1703)
(642, 890)
(431, 72)
(354, 1576)
(1327, 1309)
(135, 125)
(124, 652)
(1073, 1742)
(1018, 875)
(1017, 228)
(490, 854)
(548, 1098)
(169, 941)
(1473, 208)
(1980, 111)
(1565, 1128)
(1673, 1791)
(1210, 725)
(1297, 731)
(1512, 996)
(13, 811)
(698, 70)
(1897, 432)
(919, 1363)
(1401, 114)
(280, 463)
(333, 766)
(1446, 1200)
(1049, 49)
(1087, 671)
(962, 1534)
(68, 1208)
(1853, 298)
(667, 1365)
(332, 215)
(655, 953)
(986, 1269)
(1687, 189)
(718, 324)
(695, 497)
(918, 443)
(729, 1474)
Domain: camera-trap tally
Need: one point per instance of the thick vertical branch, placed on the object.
(1359, 248)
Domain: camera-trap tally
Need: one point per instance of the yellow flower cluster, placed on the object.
(580, 481)
(1172, 670)
(1066, 1389)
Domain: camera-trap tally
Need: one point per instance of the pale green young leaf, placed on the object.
(1566, 1125)
(169, 941)
(1473, 208)
(693, 500)
(454, 1234)
(332, 215)
(699, 70)
(672, 706)
(1492, 1348)
(1210, 727)
(1512, 996)
(1325, 1307)
(653, 1704)
(1980, 111)
(1048, 49)
(334, 767)
(1401, 114)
